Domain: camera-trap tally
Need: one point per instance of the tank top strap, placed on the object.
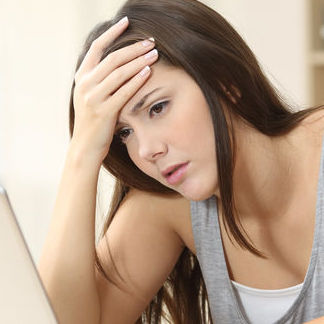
(210, 254)
(224, 304)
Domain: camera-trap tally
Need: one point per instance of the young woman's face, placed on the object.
(173, 127)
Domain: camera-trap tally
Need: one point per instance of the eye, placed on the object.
(122, 134)
(158, 108)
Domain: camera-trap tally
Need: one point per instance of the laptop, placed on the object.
(23, 299)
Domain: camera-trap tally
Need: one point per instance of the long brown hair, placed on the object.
(195, 38)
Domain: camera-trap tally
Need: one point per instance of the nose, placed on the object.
(151, 147)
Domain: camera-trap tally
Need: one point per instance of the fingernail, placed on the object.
(151, 54)
(145, 71)
(147, 42)
(122, 21)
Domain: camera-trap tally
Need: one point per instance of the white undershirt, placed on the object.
(266, 306)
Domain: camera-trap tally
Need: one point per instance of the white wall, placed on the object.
(40, 40)
(277, 32)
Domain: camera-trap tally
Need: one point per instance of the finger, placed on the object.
(119, 99)
(120, 57)
(121, 75)
(94, 53)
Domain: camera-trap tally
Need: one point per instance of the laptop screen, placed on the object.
(23, 298)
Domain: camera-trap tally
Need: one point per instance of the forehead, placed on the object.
(162, 76)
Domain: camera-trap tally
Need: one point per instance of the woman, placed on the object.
(211, 165)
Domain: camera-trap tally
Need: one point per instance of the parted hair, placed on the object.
(191, 36)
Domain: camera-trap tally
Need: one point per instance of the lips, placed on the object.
(167, 172)
(175, 173)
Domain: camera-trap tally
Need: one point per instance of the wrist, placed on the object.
(80, 158)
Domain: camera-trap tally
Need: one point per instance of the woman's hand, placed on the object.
(103, 88)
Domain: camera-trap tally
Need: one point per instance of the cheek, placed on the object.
(132, 153)
(197, 130)
(132, 150)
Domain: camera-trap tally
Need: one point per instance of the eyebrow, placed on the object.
(140, 104)
(142, 101)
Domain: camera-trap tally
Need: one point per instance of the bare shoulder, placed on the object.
(156, 201)
(314, 122)
(138, 251)
(173, 210)
(310, 132)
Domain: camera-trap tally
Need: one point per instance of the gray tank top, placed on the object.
(224, 304)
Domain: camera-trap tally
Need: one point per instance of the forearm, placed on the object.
(67, 262)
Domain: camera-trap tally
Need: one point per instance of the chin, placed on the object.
(196, 193)
(198, 197)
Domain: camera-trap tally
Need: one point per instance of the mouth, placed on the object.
(175, 173)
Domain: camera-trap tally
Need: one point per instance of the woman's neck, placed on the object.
(271, 174)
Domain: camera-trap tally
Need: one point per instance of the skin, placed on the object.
(269, 171)
(275, 179)
(182, 131)
(149, 231)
